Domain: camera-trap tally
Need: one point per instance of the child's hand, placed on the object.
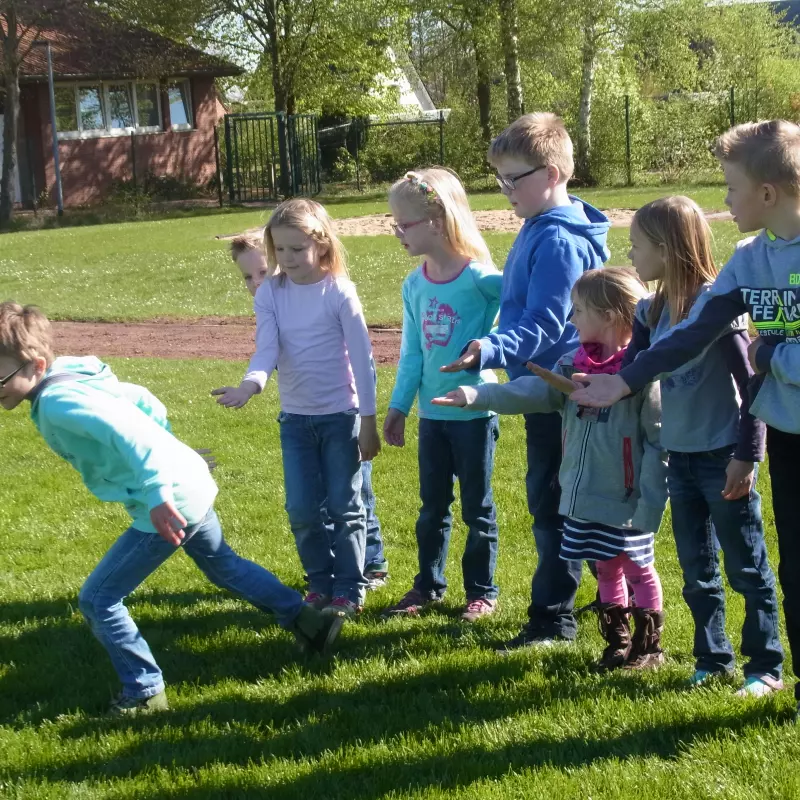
(458, 398)
(471, 358)
(169, 522)
(369, 443)
(602, 390)
(751, 353)
(235, 396)
(739, 480)
(558, 382)
(394, 428)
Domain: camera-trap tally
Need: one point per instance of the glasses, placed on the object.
(4, 381)
(509, 184)
(402, 227)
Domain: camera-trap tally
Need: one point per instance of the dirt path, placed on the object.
(210, 337)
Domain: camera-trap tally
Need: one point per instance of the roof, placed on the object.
(86, 44)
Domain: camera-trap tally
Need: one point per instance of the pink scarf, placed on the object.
(587, 360)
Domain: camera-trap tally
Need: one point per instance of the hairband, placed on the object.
(430, 192)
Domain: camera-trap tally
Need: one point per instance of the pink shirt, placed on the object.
(315, 334)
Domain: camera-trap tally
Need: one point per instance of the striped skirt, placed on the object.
(593, 541)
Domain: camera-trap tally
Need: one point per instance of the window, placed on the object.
(180, 104)
(120, 106)
(148, 113)
(66, 110)
(90, 108)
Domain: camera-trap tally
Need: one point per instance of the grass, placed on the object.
(147, 270)
(407, 709)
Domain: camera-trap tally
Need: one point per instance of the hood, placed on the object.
(88, 370)
(582, 220)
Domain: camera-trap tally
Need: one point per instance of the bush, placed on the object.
(389, 152)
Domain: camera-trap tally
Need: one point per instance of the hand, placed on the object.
(169, 522)
(235, 396)
(602, 391)
(458, 398)
(739, 480)
(558, 382)
(369, 443)
(751, 353)
(471, 358)
(394, 428)
(208, 457)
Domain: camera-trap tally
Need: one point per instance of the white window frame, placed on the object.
(109, 132)
(184, 126)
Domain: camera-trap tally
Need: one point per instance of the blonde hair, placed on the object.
(612, 290)
(313, 220)
(768, 152)
(541, 139)
(438, 194)
(246, 242)
(24, 333)
(679, 226)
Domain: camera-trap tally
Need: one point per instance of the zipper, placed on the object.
(627, 463)
(581, 462)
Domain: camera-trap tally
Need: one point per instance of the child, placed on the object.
(117, 436)
(247, 252)
(713, 442)
(562, 238)
(309, 325)
(761, 162)
(450, 299)
(613, 472)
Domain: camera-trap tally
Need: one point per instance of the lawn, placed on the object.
(175, 268)
(408, 709)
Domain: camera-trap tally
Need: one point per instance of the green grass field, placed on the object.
(407, 709)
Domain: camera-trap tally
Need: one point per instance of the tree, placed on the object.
(509, 36)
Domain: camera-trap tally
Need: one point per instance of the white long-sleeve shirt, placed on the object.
(315, 334)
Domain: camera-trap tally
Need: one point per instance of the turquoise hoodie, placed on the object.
(118, 438)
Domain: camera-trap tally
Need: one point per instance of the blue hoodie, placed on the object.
(550, 253)
(117, 437)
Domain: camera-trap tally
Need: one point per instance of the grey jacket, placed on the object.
(613, 469)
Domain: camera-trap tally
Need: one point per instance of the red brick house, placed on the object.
(124, 97)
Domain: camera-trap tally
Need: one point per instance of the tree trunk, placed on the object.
(484, 85)
(509, 31)
(10, 44)
(583, 137)
(281, 93)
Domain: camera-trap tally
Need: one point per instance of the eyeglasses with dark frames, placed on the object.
(509, 184)
(4, 381)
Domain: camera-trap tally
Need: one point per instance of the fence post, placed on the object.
(358, 163)
(441, 137)
(733, 106)
(628, 166)
(219, 171)
(228, 158)
(133, 161)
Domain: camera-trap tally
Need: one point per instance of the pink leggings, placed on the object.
(614, 575)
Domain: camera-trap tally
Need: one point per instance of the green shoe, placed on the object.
(122, 706)
(316, 632)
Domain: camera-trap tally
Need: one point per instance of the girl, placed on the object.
(452, 298)
(309, 324)
(613, 473)
(713, 443)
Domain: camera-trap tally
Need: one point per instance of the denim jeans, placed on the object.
(450, 449)
(137, 554)
(555, 581)
(321, 460)
(696, 481)
(783, 449)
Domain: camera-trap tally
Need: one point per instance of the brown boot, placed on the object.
(646, 649)
(612, 619)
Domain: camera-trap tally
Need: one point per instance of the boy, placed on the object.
(247, 252)
(117, 437)
(561, 238)
(761, 162)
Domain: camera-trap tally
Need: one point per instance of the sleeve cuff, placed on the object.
(764, 358)
(159, 495)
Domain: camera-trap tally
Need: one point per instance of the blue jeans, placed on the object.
(321, 460)
(696, 481)
(137, 554)
(450, 449)
(555, 581)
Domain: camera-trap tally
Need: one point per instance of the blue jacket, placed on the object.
(117, 437)
(550, 253)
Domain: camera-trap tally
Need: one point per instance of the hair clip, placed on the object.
(430, 192)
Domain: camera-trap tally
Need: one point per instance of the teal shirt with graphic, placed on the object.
(438, 320)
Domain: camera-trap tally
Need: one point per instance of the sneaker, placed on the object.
(122, 706)
(411, 605)
(342, 607)
(316, 631)
(702, 677)
(759, 686)
(375, 578)
(479, 607)
(529, 638)
(317, 600)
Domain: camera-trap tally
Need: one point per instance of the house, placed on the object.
(125, 99)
